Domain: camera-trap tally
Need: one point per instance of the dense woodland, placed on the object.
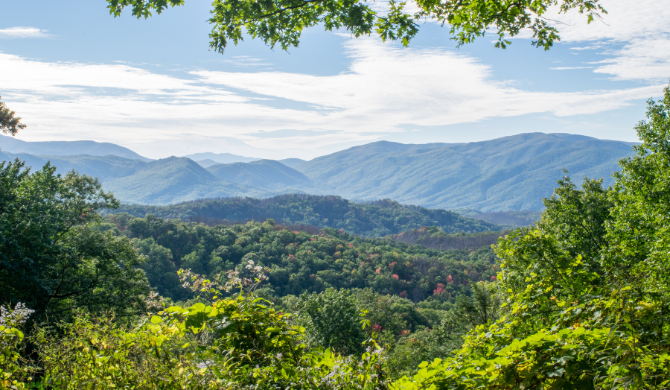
(435, 238)
(373, 219)
(298, 261)
(581, 300)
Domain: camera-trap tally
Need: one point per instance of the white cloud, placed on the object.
(587, 47)
(23, 32)
(634, 34)
(385, 90)
(640, 59)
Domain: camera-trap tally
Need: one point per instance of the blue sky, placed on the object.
(72, 71)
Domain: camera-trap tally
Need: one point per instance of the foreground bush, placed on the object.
(238, 342)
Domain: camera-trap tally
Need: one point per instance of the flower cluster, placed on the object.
(199, 284)
(9, 321)
(14, 318)
(155, 302)
(258, 276)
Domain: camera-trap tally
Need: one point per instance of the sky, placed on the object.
(74, 72)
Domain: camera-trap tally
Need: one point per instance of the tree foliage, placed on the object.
(281, 22)
(373, 219)
(51, 257)
(586, 291)
(298, 261)
(435, 238)
(233, 343)
(471, 19)
(9, 123)
(333, 321)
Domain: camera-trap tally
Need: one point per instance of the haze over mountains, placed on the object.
(505, 174)
(63, 148)
(221, 158)
(511, 173)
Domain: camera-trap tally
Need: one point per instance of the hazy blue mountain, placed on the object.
(511, 173)
(507, 174)
(168, 180)
(263, 174)
(171, 180)
(64, 148)
(292, 162)
(206, 163)
(102, 167)
(221, 158)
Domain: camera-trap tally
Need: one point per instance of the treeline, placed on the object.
(435, 238)
(508, 219)
(374, 219)
(299, 261)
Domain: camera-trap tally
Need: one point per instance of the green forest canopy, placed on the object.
(299, 261)
(373, 219)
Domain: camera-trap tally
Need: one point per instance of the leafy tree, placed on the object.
(482, 308)
(8, 122)
(332, 320)
(390, 313)
(639, 229)
(160, 269)
(586, 290)
(51, 257)
(281, 22)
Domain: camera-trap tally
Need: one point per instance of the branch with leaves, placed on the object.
(281, 22)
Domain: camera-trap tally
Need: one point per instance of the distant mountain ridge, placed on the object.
(170, 180)
(175, 179)
(510, 173)
(507, 174)
(262, 173)
(221, 158)
(66, 148)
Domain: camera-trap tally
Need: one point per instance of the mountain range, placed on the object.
(506, 174)
(66, 148)
(511, 173)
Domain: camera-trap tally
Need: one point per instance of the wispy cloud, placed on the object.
(571, 67)
(385, 90)
(635, 36)
(244, 61)
(594, 47)
(23, 32)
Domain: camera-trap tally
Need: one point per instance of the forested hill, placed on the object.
(375, 219)
(434, 238)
